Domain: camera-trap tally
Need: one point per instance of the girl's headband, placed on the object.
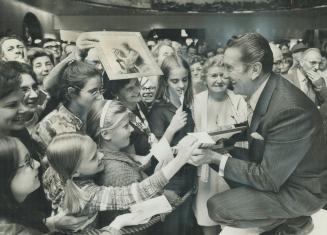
(104, 112)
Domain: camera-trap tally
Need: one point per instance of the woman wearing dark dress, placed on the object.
(171, 118)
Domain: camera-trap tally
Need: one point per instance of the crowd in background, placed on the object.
(75, 146)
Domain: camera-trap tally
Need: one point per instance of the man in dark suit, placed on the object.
(283, 178)
(307, 76)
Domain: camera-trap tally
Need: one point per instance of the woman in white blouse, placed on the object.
(214, 108)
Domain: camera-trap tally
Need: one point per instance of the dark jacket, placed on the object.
(291, 160)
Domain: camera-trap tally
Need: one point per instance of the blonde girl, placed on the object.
(76, 160)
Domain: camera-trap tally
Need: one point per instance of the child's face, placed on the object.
(178, 81)
(91, 92)
(91, 160)
(120, 135)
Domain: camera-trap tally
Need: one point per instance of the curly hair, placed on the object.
(9, 79)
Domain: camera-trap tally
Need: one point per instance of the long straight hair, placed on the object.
(64, 155)
(170, 63)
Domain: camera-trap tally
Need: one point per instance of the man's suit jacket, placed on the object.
(290, 159)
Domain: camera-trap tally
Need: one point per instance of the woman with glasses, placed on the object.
(19, 178)
(35, 205)
(149, 88)
(31, 108)
(81, 86)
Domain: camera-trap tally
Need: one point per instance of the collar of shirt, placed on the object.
(253, 100)
(70, 116)
(301, 76)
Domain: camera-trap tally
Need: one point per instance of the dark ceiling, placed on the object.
(120, 7)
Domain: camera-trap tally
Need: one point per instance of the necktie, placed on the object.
(250, 112)
(305, 87)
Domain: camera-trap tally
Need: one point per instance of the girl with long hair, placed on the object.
(171, 118)
(76, 159)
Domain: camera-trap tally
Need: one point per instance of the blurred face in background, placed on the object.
(93, 58)
(284, 48)
(196, 72)
(42, 66)
(191, 52)
(55, 47)
(278, 58)
(286, 65)
(323, 64)
(163, 52)
(149, 87)
(13, 50)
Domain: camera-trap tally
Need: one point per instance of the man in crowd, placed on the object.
(278, 58)
(307, 76)
(282, 178)
(54, 46)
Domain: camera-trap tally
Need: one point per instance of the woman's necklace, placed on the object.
(143, 125)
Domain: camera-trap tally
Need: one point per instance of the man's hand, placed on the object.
(86, 41)
(317, 79)
(205, 156)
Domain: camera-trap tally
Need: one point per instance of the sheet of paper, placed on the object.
(202, 137)
(151, 207)
(162, 150)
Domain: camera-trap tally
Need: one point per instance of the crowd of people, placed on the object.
(77, 149)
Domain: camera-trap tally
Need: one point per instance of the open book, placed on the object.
(214, 140)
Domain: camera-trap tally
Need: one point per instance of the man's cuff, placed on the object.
(223, 164)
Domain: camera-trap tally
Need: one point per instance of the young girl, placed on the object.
(172, 118)
(110, 128)
(81, 86)
(76, 159)
(19, 178)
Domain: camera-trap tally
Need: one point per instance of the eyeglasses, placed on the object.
(28, 162)
(96, 92)
(52, 47)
